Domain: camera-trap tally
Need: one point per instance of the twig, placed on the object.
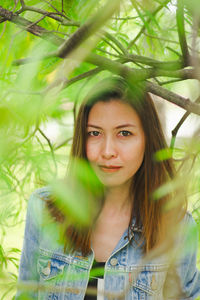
(28, 60)
(22, 3)
(62, 144)
(175, 130)
(161, 38)
(148, 20)
(180, 123)
(16, 2)
(194, 59)
(68, 82)
(27, 25)
(37, 21)
(59, 32)
(170, 81)
(58, 12)
(174, 51)
(82, 76)
(111, 45)
(125, 18)
(186, 158)
(107, 52)
(181, 31)
(117, 43)
(50, 146)
(88, 28)
(168, 65)
(49, 14)
(63, 7)
(3, 31)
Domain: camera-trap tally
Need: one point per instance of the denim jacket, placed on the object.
(47, 272)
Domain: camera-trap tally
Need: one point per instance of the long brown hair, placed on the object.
(147, 212)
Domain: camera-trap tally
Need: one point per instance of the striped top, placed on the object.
(96, 280)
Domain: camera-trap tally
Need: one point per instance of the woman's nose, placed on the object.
(109, 149)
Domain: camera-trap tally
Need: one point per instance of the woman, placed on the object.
(117, 133)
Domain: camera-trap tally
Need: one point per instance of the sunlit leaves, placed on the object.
(193, 7)
(77, 195)
(163, 154)
(8, 281)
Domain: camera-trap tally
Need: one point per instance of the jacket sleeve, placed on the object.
(183, 279)
(28, 276)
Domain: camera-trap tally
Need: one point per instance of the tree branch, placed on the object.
(114, 66)
(168, 65)
(65, 142)
(181, 31)
(116, 42)
(22, 3)
(49, 14)
(160, 68)
(180, 123)
(161, 38)
(110, 44)
(183, 102)
(117, 67)
(50, 146)
(68, 82)
(43, 33)
(28, 26)
(87, 74)
(88, 28)
(58, 12)
(137, 74)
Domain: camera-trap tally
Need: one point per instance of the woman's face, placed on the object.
(115, 143)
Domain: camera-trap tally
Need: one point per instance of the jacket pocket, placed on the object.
(51, 271)
(147, 282)
(50, 268)
(60, 278)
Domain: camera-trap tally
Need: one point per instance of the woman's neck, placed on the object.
(117, 200)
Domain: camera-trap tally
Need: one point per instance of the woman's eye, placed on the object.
(93, 133)
(125, 133)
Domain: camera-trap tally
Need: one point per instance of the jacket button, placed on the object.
(47, 270)
(113, 261)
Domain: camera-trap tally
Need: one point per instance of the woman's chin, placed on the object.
(115, 183)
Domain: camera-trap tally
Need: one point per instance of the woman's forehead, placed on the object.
(114, 111)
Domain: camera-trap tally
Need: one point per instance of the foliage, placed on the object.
(51, 52)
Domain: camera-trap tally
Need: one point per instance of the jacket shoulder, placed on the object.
(188, 219)
(43, 193)
(36, 202)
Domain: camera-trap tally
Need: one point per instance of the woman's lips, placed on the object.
(109, 169)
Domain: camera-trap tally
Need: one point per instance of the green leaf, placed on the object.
(163, 154)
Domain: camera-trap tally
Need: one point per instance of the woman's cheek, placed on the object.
(91, 152)
(133, 150)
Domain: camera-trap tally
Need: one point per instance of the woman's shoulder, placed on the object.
(38, 198)
(188, 224)
(43, 192)
(36, 207)
(189, 233)
(188, 219)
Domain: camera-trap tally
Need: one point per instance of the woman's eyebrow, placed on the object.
(95, 126)
(117, 127)
(125, 125)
